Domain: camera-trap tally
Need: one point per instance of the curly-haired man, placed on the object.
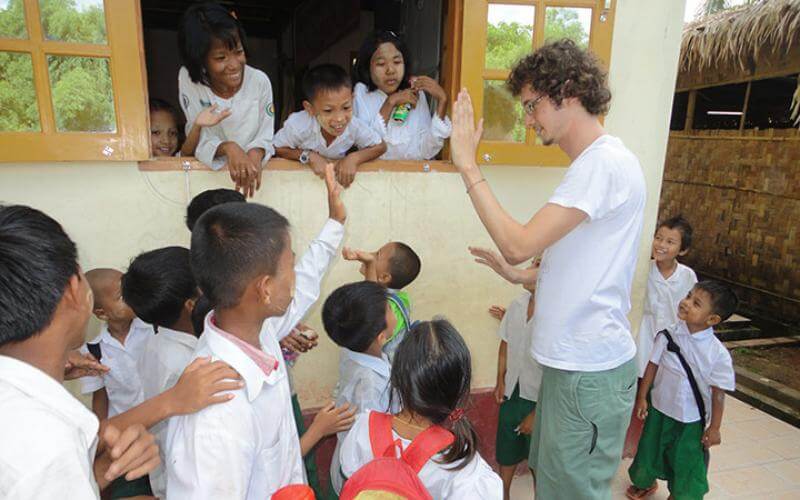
(588, 232)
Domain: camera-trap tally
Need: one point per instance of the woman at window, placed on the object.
(228, 104)
(394, 103)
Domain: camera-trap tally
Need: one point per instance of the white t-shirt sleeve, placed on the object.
(365, 136)
(266, 114)
(291, 134)
(659, 347)
(722, 374)
(593, 185)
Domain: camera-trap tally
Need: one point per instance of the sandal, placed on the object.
(634, 493)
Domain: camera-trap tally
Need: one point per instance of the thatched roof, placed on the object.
(736, 36)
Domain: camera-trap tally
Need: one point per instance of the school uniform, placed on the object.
(246, 448)
(166, 355)
(48, 438)
(401, 308)
(420, 137)
(475, 480)
(661, 307)
(522, 380)
(364, 382)
(670, 446)
(251, 123)
(301, 130)
(122, 382)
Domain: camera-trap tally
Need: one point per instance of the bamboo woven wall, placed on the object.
(742, 196)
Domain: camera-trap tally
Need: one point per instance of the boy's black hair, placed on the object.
(37, 260)
(431, 375)
(404, 266)
(232, 244)
(201, 309)
(157, 285)
(324, 78)
(208, 199)
(369, 46)
(723, 301)
(198, 26)
(682, 225)
(355, 314)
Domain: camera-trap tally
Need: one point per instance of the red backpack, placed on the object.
(388, 473)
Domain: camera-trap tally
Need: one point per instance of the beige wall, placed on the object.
(115, 211)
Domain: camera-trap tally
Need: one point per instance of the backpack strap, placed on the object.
(397, 301)
(698, 397)
(94, 350)
(381, 438)
(427, 444)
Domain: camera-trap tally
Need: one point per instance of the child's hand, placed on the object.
(497, 312)
(407, 96)
(641, 409)
(499, 391)
(430, 86)
(346, 169)
(300, 339)
(711, 437)
(330, 420)
(317, 162)
(526, 426)
(201, 383)
(359, 255)
(133, 453)
(82, 365)
(243, 171)
(210, 116)
(336, 209)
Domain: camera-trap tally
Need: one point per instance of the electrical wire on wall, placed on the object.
(161, 196)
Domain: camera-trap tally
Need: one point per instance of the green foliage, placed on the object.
(83, 97)
(12, 20)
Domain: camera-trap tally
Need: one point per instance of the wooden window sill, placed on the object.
(190, 163)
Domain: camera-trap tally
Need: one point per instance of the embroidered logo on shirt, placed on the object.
(270, 109)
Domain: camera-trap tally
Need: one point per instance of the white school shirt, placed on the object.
(250, 125)
(364, 383)
(420, 137)
(711, 365)
(302, 131)
(246, 448)
(47, 437)
(476, 480)
(165, 356)
(661, 307)
(122, 382)
(517, 332)
(584, 285)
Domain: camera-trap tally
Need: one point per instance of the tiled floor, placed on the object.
(759, 458)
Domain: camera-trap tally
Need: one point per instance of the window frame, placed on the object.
(473, 74)
(123, 49)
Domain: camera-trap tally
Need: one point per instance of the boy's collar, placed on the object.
(684, 328)
(378, 365)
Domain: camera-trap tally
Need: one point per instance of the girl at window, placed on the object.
(237, 126)
(163, 128)
(394, 103)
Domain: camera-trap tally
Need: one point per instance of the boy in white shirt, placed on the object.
(49, 439)
(676, 433)
(357, 317)
(249, 448)
(326, 129)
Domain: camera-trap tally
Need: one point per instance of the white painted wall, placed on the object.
(114, 211)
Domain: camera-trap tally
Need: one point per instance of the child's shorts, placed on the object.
(672, 451)
(512, 447)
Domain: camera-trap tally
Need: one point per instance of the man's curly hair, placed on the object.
(561, 70)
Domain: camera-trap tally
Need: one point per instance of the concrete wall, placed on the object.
(114, 211)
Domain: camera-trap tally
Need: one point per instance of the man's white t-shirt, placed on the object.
(584, 285)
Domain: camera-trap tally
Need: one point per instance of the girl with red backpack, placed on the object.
(429, 449)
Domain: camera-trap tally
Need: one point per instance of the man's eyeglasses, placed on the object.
(530, 106)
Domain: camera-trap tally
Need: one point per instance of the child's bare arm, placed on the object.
(502, 363)
(712, 436)
(367, 260)
(206, 118)
(346, 167)
(100, 403)
(329, 420)
(336, 208)
(644, 388)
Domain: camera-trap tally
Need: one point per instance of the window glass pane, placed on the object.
(720, 107)
(770, 102)
(679, 107)
(503, 118)
(509, 34)
(568, 22)
(20, 112)
(12, 19)
(83, 97)
(80, 21)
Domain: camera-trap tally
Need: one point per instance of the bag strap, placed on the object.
(94, 350)
(396, 300)
(381, 438)
(427, 444)
(698, 397)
